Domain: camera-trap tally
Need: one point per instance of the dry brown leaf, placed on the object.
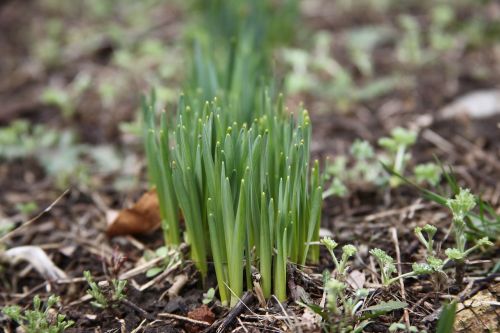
(477, 314)
(310, 321)
(356, 279)
(142, 217)
(203, 314)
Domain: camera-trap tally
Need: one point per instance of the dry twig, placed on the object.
(406, 315)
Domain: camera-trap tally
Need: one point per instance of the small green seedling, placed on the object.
(100, 301)
(441, 18)
(410, 49)
(386, 265)
(208, 297)
(396, 327)
(337, 167)
(430, 231)
(428, 173)
(433, 265)
(334, 292)
(396, 145)
(365, 167)
(347, 252)
(462, 204)
(104, 297)
(456, 254)
(341, 309)
(27, 208)
(337, 188)
(171, 255)
(339, 303)
(39, 320)
(362, 150)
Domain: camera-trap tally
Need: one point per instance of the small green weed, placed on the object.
(208, 297)
(41, 319)
(366, 164)
(104, 295)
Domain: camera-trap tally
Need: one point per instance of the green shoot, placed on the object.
(234, 164)
(386, 265)
(102, 296)
(428, 172)
(347, 252)
(100, 300)
(396, 145)
(447, 318)
(430, 231)
(486, 223)
(460, 206)
(208, 297)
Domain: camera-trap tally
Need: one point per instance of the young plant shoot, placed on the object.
(397, 144)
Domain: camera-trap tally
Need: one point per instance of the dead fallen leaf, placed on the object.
(478, 314)
(203, 314)
(142, 217)
(356, 279)
(37, 258)
(476, 105)
(310, 321)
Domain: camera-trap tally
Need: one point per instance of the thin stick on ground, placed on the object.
(223, 324)
(140, 310)
(182, 318)
(29, 222)
(406, 315)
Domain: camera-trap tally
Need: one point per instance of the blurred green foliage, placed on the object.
(341, 65)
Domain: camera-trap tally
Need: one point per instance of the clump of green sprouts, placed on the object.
(40, 319)
(104, 295)
(364, 166)
(234, 165)
(249, 187)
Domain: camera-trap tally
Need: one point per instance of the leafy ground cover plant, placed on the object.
(343, 311)
(343, 307)
(59, 153)
(40, 319)
(318, 72)
(433, 265)
(368, 166)
(485, 223)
